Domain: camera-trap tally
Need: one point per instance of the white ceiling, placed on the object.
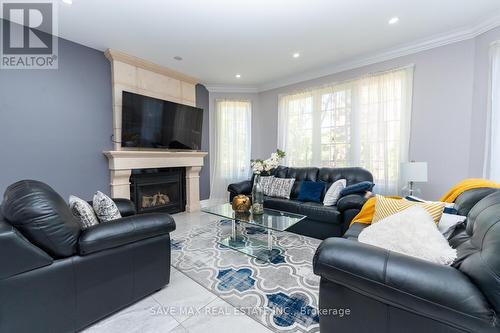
(219, 38)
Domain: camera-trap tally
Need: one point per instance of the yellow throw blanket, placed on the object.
(365, 215)
(465, 185)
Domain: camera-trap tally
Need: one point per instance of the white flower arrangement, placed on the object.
(266, 166)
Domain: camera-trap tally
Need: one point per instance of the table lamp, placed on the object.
(413, 172)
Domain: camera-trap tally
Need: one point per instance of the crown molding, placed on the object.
(114, 55)
(403, 50)
(231, 89)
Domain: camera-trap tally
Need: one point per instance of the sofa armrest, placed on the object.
(351, 201)
(244, 187)
(436, 291)
(123, 231)
(125, 206)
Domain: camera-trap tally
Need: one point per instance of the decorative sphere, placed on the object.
(241, 204)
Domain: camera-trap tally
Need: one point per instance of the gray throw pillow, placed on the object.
(105, 208)
(266, 183)
(282, 187)
(83, 212)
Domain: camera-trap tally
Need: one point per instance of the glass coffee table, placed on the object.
(253, 245)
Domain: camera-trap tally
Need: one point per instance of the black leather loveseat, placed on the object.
(56, 278)
(322, 221)
(390, 292)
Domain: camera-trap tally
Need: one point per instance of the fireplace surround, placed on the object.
(122, 162)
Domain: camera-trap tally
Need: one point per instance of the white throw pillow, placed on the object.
(105, 208)
(333, 193)
(266, 182)
(282, 187)
(449, 223)
(82, 210)
(412, 232)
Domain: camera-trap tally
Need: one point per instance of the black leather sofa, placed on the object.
(390, 292)
(322, 221)
(56, 278)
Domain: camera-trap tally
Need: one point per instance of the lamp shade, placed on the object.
(414, 171)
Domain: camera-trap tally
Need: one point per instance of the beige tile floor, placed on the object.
(183, 306)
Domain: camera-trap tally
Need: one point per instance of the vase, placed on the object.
(257, 196)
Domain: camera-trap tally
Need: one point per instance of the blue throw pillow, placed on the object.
(357, 188)
(311, 191)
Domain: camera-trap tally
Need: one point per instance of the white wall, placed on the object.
(449, 109)
(480, 100)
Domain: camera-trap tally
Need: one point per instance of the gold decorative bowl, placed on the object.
(241, 204)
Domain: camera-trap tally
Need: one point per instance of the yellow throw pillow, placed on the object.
(385, 207)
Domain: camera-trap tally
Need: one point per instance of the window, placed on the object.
(365, 122)
(231, 142)
(492, 160)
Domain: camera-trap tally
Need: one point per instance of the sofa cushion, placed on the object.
(319, 212)
(42, 216)
(478, 256)
(468, 199)
(313, 210)
(285, 205)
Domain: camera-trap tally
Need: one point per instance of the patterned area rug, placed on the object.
(282, 295)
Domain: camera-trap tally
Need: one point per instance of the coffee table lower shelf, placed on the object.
(253, 247)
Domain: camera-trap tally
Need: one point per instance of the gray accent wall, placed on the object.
(202, 101)
(54, 124)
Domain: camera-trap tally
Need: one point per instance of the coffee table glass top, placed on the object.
(271, 219)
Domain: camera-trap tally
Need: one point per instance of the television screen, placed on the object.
(154, 123)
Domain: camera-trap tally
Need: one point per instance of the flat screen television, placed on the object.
(154, 123)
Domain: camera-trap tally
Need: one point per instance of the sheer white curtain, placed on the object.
(363, 122)
(492, 152)
(230, 145)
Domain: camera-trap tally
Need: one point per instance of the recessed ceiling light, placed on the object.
(394, 20)
(178, 58)
(237, 76)
(68, 2)
(296, 55)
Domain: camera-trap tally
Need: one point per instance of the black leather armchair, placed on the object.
(390, 292)
(56, 278)
(322, 221)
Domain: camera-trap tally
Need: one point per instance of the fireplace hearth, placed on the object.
(159, 190)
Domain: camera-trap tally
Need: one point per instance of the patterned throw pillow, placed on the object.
(266, 183)
(83, 212)
(385, 207)
(333, 193)
(282, 187)
(105, 208)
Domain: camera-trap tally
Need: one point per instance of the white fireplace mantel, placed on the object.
(122, 162)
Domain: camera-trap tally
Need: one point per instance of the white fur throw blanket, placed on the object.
(411, 232)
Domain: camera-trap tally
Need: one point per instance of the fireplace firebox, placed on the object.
(159, 190)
